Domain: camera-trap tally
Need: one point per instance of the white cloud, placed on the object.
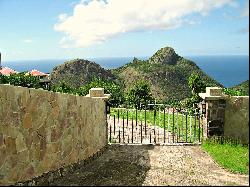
(62, 17)
(98, 20)
(245, 11)
(243, 30)
(27, 41)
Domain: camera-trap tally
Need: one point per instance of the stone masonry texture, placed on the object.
(229, 117)
(42, 131)
(237, 118)
(215, 117)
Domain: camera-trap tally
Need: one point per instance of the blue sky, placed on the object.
(65, 29)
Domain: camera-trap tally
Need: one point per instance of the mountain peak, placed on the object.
(165, 55)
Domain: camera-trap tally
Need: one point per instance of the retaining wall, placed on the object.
(42, 131)
(237, 118)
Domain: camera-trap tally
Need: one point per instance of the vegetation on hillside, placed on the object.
(168, 80)
(165, 72)
(233, 92)
(78, 72)
(240, 89)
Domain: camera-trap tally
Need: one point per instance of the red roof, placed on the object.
(7, 71)
(35, 72)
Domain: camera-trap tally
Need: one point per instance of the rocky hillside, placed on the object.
(165, 55)
(79, 72)
(244, 86)
(165, 71)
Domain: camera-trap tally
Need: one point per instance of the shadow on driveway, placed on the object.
(137, 165)
(118, 165)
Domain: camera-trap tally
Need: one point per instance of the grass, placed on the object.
(231, 156)
(178, 123)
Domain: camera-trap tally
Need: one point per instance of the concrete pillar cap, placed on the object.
(98, 93)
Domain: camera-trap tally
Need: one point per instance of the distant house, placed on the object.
(40, 74)
(7, 71)
(44, 77)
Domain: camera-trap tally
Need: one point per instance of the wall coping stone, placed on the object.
(98, 93)
(215, 93)
(207, 97)
(212, 93)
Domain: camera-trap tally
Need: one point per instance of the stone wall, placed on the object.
(42, 131)
(226, 116)
(215, 117)
(237, 118)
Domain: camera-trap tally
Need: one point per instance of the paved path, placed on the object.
(152, 165)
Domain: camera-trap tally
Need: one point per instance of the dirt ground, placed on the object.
(151, 165)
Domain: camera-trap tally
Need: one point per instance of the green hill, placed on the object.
(78, 72)
(244, 87)
(166, 72)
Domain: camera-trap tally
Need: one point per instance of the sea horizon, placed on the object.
(229, 70)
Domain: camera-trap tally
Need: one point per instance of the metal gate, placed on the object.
(155, 124)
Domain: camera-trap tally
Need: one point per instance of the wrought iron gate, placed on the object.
(154, 124)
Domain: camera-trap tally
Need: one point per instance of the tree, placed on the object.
(197, 86)
(63, 88)
(140, 93)
(110, 87)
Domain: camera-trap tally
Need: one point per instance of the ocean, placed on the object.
(228, 70)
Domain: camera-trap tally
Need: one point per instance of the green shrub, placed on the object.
(140, 93)
(64, 88)
(4, 79)
(233, 92)
(21, 79)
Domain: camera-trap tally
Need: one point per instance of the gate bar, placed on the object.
(168, 124)
(186, 125)
(195, 126)
(145, 116)
(164, 125)
(136, 116)
(154, 123)
(141, 131)
(123, 127)
(114, 124)
(199, 127)
(173, 125)
(110, 129)
(127, 118)
(132, 128)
